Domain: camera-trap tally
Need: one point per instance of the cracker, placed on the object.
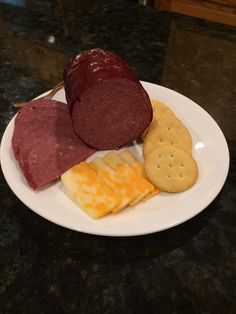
(160, 110)
(169, 123)
(179, 137)
(152, 126)
(171, 168)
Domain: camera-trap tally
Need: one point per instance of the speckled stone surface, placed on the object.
(45, 268)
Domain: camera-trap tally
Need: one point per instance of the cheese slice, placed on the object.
(138, 166)
(87, 190)
(139, 185)
(115, 181)
(128, 157)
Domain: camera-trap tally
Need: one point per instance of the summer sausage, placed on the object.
(108, 105)
(28, 118)
(44, 142)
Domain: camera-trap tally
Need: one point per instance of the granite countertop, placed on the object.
(45, 268)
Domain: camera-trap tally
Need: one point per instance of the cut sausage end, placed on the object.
(112, 114)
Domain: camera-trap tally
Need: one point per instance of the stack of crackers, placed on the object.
(167, 151)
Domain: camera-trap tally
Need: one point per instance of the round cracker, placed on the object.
(152, 126)
(179, 138)
(168, 131)
(171, 168)
(160, 109)
(171, 124)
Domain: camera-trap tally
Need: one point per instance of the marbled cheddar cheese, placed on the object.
(128, 157)
(114, 180)
(91, 193)
(139, 185)
(138, 166)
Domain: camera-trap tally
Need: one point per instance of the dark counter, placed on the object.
(45, 268)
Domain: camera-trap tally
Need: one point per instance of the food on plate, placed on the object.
(84, 181)
(138, 166)
(107, 109)
(171, 168)
(115, 181)
(44, 142)
(128, 157)
(86, 189)
(170, 124)
(34, 112)
(140, 186)
(108, 105)
(167, 152)
(165, 133)
(160, 110)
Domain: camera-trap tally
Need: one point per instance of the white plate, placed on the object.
(162, 211)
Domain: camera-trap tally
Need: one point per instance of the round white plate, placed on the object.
(160, 212)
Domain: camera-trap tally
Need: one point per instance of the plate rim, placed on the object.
(151, 230)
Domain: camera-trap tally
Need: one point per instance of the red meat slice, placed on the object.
(30, 116)
(47, 160)
(45, 144)
(109, 106)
